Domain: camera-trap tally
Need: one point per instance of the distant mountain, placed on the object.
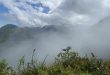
(102, 25)
(101, 34)
(6, 31)
(17, 34)
(9, 26)
(102, 28)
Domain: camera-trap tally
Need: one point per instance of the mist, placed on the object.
(83, 39)
(81, 24)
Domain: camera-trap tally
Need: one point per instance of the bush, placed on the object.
(3, 67)
(67, 62)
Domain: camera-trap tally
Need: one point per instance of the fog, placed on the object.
(83, 39)
(81, 24)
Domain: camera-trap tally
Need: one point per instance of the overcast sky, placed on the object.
(53, 12)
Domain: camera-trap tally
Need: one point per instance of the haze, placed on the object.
(81, 24)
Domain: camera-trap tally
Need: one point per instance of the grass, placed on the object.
(67, 62)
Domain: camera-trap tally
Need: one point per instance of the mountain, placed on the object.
(18, 34)
(102, 28)
(100, 36)
(8, 26)
(6, 31)
(102, 25)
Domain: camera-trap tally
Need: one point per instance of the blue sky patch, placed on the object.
(46, 10)
(3, 9)
(38, 5)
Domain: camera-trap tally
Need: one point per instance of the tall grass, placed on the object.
(67, 62)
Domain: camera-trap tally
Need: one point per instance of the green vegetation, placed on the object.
(67, 62)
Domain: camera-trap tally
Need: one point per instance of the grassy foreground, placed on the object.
(67, 62)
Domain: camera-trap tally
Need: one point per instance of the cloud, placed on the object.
(83, 13)
(93, 10)
(72, 12)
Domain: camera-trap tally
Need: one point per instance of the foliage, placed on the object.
(67, 62)
(3, 67)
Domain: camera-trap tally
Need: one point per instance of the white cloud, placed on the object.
(71, 12)
(78, 19)
(52, 4)
(106, 3)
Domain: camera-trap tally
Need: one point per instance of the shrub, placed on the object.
(3, 67)
(67, 62)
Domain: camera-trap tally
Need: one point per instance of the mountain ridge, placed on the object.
(11, 31)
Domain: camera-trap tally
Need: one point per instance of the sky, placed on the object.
(53, 12)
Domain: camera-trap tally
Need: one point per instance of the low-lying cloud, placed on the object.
(87, 29)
